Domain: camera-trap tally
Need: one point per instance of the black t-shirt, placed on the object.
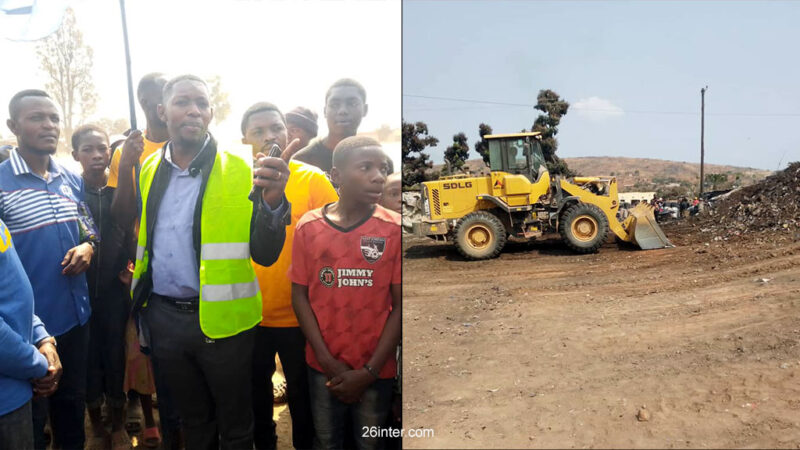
(111, 256)
(316, 154)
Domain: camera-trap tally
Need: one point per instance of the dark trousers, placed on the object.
(66, 406)
(16, 428)
(289, 343)
(106, 371)
(367, 416)
(209, 379)
(167, 411)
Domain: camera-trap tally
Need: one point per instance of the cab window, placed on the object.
(516, 156)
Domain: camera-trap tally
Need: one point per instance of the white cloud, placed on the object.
(596, 108)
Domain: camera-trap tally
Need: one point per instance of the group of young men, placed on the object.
(211, 262)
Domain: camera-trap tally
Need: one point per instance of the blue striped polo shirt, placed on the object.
(44, 220)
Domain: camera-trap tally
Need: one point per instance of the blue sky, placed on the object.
(632, 72)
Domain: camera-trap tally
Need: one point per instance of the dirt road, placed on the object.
(545, 348)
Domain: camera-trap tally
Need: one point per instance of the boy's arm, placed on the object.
(390, 337)
(123, 204)
(310, 326)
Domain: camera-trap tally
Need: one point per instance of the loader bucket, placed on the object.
(646, 233)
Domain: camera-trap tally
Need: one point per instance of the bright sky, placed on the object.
(285, 52)
(632, 72)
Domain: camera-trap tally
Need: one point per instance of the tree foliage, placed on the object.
(67, 63)
(482, 146)
(415, 139)
(554, 108)
(384, 132)
(673, 192)
(113, 126)
(219, 99)
(456, 154)
(716, 180)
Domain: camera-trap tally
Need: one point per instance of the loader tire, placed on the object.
(480, 235)
(583, 227)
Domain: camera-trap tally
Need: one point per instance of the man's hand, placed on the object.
(348, 386)
(132, 150)
(126, 277)
(290, 150)
(77, 259)
(333, 367)
(272, 173)
(47, 385)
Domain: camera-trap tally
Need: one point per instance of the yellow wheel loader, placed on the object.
(520, 199)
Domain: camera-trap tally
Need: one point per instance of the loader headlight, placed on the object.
(426, 207)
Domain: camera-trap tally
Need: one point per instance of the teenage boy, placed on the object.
(107, 294)
(345, 106)
(301, 124)
(392, 193)
(346, 293)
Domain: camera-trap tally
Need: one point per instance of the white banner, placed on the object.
(30, 20)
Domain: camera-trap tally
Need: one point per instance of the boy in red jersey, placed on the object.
(346, 294)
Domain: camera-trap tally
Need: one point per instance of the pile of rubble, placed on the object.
(770, 205)
(412, 210)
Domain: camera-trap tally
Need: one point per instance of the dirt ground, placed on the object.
(280, 415)
(545, 348)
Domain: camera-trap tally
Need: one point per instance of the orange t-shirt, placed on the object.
(349, 273)
(150, 147)
(307, 188)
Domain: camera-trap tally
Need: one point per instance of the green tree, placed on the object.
(482, 146)
(415, 139)
(672, 192)
(716, 179)
(219, 99)
(67, 66)
(456, 154)
(554, 108)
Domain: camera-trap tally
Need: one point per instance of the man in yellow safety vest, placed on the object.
(203, 216)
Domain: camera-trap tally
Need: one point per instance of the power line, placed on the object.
(611, 111)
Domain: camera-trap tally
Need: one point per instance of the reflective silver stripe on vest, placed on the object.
(134, 283)
(225, 292)
(139, 253)
(234, 250)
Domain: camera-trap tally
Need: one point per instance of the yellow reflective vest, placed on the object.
(230, 301)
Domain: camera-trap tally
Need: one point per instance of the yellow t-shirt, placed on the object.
(150, 147)
(307, 188)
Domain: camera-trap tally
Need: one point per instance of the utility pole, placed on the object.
(702, 135)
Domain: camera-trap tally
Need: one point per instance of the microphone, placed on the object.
(194, 171)
(275, 151)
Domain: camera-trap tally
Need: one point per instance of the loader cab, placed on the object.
(518, 154)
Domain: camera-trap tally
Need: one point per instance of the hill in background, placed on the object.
(645, 174)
